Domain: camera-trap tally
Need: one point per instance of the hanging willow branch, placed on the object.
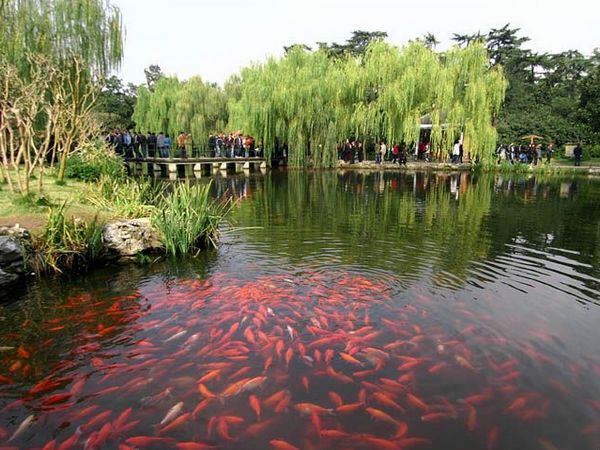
(192, 106)
(312, 101)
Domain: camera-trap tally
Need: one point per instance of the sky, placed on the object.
(215, 38)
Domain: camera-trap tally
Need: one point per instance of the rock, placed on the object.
(6, 278)
(10, 251)
(130, 237)
(12, 260)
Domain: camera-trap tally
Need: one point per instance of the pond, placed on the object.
(341, 311)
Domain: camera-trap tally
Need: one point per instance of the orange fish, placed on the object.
(308, 408)
(305, 382)
(334, 434)
(205, 392)
(275, 398)
(336, 399)
(384, 400)
(210, 375)
(472, 418)
(492, 438)
(350, 359)
(316, 421)
(519, 403)
(194, 446)
(289, 354)
(416, 401)
(278, 444)
(255, 405)
(279, 348)
(350, 408)
(179, 421)
(259, 428)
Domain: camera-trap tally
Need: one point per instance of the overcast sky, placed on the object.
(215, 38)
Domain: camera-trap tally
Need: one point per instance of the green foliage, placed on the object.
(189, 219)
(93, 162)
(153, 73)
(311, 101)
(552, 95)
(66, 243)
(356, 46)
(123, 198)
(90, 30)
(115, 104)
(192, 106)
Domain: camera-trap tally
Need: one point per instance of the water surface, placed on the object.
(341, 311)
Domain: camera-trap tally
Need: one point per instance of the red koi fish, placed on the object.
(308, 408)
(350, 408)
(278, 444)
(336, 399)
(385, 400)
(194, 446)
(492, 438)
(416, 401)
(255, 405)
(519, 403)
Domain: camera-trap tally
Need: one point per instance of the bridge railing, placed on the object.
(197, 151)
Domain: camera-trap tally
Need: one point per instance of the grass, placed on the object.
(593, 162)
(66, 244)
(123, 199)
(188, 219)
(31, 211)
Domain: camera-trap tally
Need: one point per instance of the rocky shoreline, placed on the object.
(122, 240)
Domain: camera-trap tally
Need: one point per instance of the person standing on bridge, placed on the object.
(181, 144)
(160, 144)
(168, 144)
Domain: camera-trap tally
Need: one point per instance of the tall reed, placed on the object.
(189, 219)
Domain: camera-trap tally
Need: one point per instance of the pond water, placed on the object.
(341, 311)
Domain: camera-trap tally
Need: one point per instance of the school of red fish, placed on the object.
(323, 361)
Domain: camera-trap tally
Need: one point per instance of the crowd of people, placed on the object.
(140, 145)
(527, 154)
(351, 151)
(233, 145)
(161, 145)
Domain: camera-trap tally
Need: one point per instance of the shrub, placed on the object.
(188, 219)
(592, 151)
(92, 162)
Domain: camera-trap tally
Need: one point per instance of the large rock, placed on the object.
(130, 237)
(12, 259)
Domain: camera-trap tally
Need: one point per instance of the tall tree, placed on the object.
(115, 104)
(80, 41)
(430, 41)
(89, 30)
(153, 74)
(313, 101)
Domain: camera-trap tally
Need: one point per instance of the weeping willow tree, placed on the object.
(192, 106)
(90, 30)
(79, 42)
(312, 101)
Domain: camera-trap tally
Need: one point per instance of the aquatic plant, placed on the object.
(66, 243)
(188, 219)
